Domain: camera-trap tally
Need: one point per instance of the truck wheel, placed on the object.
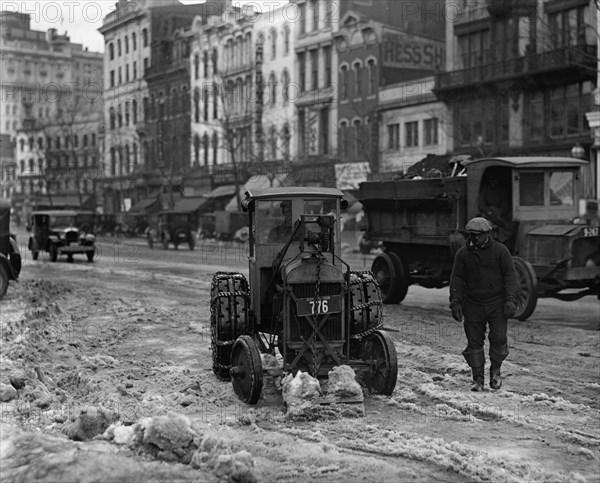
(246, 370)
(53, 252)
(90, 256)
(3, 280)
(385, 270)
(229, 318)
(402, 277)
(527, 286)
(379, 351)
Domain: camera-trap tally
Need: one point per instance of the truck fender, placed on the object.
(7, 265)
(15, 257)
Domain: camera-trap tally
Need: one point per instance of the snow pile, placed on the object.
(342, 384)
(299, 392)
(173, 437)
(90, 422)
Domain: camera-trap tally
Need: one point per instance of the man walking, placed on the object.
(483, 289)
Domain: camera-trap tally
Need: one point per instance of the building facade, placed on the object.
(275, 33)
(8, 167)
(520, 76)
(413, 124)
(44, 76)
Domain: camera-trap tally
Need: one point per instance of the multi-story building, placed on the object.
(374, 53)
(129, 32)
(316, 61)
(520, 76)
(8, 167)
(226, 137)
(593, 118)
(275, 33)
(43, 75)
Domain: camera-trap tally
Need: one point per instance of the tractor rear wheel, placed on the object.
(379, 351)
(386, 270)
(246, 369)
(229, 317)
(527, 289)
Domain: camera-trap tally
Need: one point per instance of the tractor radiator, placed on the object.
(300, 327)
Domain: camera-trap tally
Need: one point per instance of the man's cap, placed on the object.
(479, 225)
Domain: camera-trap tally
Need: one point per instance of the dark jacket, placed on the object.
(484, 276)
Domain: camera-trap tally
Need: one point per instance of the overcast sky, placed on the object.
(81, 19)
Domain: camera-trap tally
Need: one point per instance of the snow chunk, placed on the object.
(300, 390)
(342, 383)
(91, 422)
(172, 435)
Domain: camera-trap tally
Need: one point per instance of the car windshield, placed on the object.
(62, 220)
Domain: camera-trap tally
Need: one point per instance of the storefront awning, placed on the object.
(190, 205)
(145, 205)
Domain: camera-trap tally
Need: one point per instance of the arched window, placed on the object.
(196, 105)
(205, 63)
(205, 103)
(343, 135)
(286, 40)
(372, 77)
(135, 156)
(196, 66)
(120, 115)
(272, 89)
(111, 51)
(285, 81)
(273, 142)
(205, 145)
(133, 41)
(273, 44)
(344, 89)
(285, 133)
(85, 140)
(357, 125)
(215, 102)
(144, 37)
(196, 150)
(111, 115)
(215, 147)
(358, 73)
(215, 60)
(127, 160)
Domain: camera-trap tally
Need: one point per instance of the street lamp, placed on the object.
(578, 151)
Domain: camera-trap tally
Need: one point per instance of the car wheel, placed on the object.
(90, 256)
(3, 280)
(53, 253)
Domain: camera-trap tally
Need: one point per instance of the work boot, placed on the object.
(495, 378)
(478, 379)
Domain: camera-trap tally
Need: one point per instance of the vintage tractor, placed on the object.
(303, 303)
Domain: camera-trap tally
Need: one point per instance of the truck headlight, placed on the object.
(90, 237)
(62, 236)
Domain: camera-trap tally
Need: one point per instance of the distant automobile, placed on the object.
(10, 256)
(57, 233)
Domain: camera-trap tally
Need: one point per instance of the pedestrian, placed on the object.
(483, 289)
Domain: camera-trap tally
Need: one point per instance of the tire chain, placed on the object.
(215, 313)
(362, 277)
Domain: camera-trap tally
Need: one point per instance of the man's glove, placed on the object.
(457, 313)
(509, 309)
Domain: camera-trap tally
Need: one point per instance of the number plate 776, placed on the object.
(330, 304)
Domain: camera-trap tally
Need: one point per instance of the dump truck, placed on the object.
(554, 241)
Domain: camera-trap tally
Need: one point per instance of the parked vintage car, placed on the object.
(174, 227)
(57, 233)
(10, 256)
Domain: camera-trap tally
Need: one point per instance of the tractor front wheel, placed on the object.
(246, 370)
(379, 351)
(229, 317)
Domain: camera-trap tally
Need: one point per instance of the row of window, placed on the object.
(86, 186)
(316, 14)
(125, 43)
(86, 140)
(127, 158)
(57, 163)
(412, 134)
(352, 80)
(118, 80)
(310, 80)
(123, 115)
